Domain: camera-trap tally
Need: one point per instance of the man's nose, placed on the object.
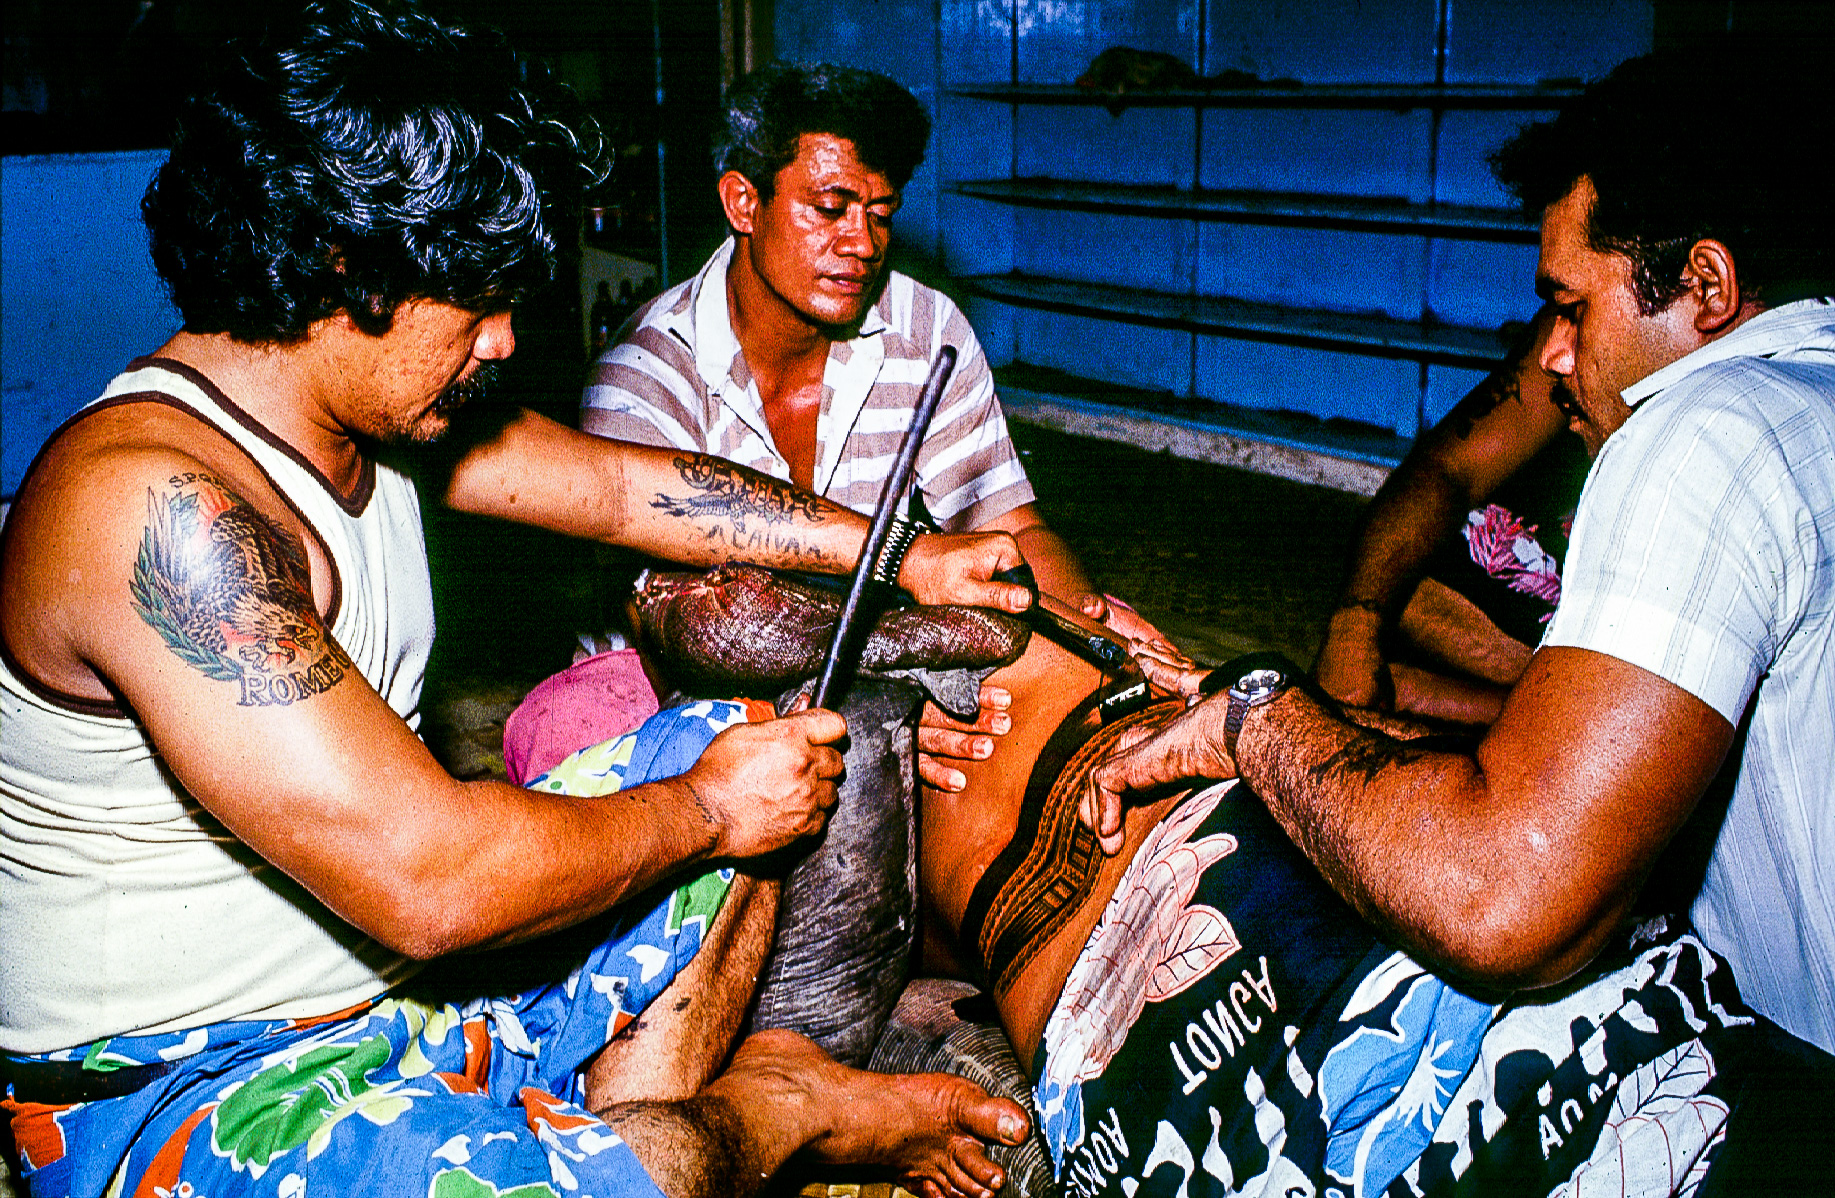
(860, 236)
(1557, 357)
(496, 338)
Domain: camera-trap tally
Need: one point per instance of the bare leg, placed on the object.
(1451, 627)
(678, 1044)
(783, 1094)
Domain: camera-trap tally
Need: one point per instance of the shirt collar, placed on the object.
(710, 328)
(1769, 333)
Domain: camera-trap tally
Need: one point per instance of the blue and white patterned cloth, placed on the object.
(421, 1092)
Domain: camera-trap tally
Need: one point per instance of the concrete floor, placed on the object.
(1224, 561)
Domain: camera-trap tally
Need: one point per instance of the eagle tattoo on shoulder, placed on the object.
(230, 593)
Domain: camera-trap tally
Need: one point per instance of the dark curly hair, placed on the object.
(780, 101)
(1725, 143)
(357, 157)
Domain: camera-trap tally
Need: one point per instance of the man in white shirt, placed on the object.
(1688, 254)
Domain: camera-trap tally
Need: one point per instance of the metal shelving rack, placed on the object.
(1423, 341)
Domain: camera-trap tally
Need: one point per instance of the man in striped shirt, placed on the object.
(795, 351)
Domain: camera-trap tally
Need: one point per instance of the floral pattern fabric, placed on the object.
(419, 1092)
(1232, 1029)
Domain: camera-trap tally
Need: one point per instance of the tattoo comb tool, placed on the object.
(843, 645)
(1087, 639)
(1073, 630)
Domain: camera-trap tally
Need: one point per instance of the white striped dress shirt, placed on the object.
(1704, 551)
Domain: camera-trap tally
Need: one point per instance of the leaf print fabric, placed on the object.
(1231, 1028)
(416, 1093)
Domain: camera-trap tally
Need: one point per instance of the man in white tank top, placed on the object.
(215, 811)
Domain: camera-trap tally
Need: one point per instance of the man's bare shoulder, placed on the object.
(139, 511)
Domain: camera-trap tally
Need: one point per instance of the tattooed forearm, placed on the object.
(774, 546)
(1365, 757)
(738, 495)
(230, 593)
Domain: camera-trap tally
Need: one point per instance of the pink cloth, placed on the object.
(594, 700)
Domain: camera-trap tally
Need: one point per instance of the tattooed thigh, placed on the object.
(230, 593)
(1048, 870)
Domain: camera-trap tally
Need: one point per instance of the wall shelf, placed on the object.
(1461, 250)
(1343, 456)
(1312, 95)
(1381, 336)
(1259, 207)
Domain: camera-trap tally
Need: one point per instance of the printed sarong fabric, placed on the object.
(1231, 1028)
(421, 1092)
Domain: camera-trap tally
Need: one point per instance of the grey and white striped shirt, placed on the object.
(678, 378)
(1704, 551)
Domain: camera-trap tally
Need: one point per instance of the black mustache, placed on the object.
(467, 389)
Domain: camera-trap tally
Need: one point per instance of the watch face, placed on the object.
(1259, 684)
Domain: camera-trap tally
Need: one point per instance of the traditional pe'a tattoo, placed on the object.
(737, 495)
(1049, 869)
(230, 593)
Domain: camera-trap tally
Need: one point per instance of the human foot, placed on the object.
(931, 1126)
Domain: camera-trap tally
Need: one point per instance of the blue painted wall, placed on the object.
(935, 45)
(78, 295)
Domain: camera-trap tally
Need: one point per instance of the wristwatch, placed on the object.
(1254, 679)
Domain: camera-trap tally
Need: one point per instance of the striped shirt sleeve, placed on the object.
(968, 468)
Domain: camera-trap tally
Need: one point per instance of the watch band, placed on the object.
(892, 554)
(1234, 671)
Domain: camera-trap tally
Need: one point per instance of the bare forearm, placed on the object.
(1053, 563)
(522, 863)
(1407, 518)
(685, 507)
(1414, 839)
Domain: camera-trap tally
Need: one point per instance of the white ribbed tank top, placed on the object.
(124, 906)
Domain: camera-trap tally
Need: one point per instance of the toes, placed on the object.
(996, 1120)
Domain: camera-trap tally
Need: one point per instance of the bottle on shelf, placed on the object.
(605, 319)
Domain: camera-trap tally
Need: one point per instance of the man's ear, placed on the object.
(1714, 280)
(739, 199)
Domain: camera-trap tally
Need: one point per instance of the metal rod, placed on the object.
(902, 469)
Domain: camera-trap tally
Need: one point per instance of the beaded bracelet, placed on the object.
(892, 554)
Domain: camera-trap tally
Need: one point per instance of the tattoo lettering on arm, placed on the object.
(230, 593)
(737, 495)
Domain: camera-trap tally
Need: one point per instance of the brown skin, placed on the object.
(961, 833)
(1514, 864)
(333, 787)
(1504, 422)
(782, 1095)
(809, 261)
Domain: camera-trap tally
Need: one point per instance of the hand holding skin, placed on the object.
(942, 739)
(960, 568)
(764, 786)
(1190, 745)
(1169, 673)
